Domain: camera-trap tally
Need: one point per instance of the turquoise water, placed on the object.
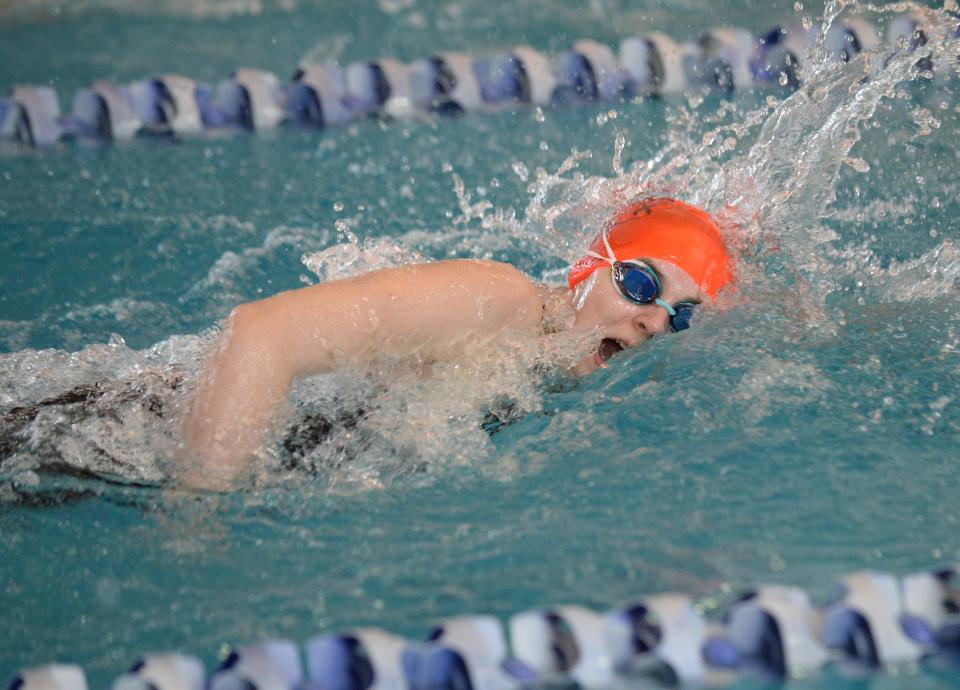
(807, 429)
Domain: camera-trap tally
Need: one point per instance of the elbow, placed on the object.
(243, 332)
(240, 321)
(251, 345)
(244, 380)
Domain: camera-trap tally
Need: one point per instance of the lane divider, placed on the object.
(874, 622)
(449, 83)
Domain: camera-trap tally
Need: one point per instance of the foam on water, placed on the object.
(104, 412)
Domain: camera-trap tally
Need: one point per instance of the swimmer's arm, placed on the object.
(426, 310)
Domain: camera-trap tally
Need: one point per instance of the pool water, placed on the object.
(806, 429)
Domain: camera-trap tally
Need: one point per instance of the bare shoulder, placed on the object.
(494, 273)
(488, 290)
(500, 290)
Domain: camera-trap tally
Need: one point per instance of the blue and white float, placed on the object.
(269, 665)
(31, 115)
(163, 672)
(774, 632)
(868, 625)
(50, 677)
(361, 659)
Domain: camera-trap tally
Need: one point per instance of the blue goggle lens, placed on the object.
(637, 282)
(680, 321)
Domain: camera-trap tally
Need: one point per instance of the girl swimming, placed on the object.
(642, 276)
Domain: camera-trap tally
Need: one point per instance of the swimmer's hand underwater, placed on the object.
(642, 276)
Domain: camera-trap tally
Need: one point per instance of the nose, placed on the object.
(652, 318)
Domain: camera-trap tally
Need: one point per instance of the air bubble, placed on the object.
(619, 143)
(544, 146)
(338, 206)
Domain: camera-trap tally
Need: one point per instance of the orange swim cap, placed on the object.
(668, 230)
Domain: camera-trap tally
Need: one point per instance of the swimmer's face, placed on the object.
(621, 323)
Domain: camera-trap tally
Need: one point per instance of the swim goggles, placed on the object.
(639, 283)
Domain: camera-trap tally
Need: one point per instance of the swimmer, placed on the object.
(642, 276)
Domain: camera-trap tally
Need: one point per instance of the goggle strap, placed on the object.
(610, 258)
(600, 256)
(606, 243)
(670, 310)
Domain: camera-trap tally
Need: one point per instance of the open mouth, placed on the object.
(608, 348)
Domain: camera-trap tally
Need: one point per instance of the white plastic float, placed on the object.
(50, 677)
(163, 672)
(867, 625)
(774, 631)
(270, 665)
(367, 658)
